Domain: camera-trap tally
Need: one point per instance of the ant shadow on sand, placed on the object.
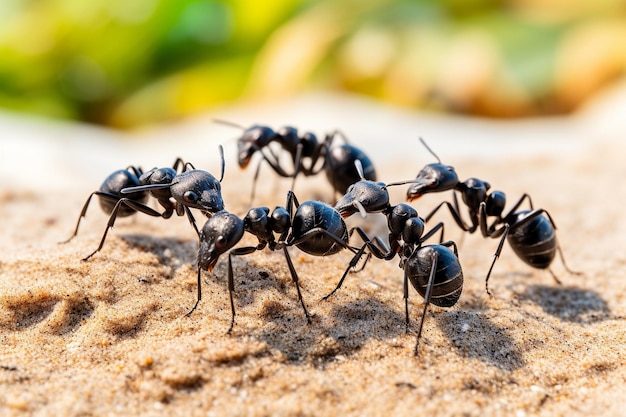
(567, 303)
(168, 250)
(474, 335)
(345, 331)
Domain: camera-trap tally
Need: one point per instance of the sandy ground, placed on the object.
(109, 336)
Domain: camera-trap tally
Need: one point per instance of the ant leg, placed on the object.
(456, 215)
(192, 220)
(177, 163)
(567, 268)
(254, 180)
(274, 162)
(505, 231)
(231, 280)
(376, 247)
(199, 297)
(375, 250)
(558, 247)
(294, 277)
(427, 296)
(454, 247)
(129, 203)
(406, 301)
(353, 262)
(83, 212)
(513, 209)
(556, 279)
(431, 232)
(136, 170)
(186, 166)
(111, 198)
(316, 231)
(296, 165)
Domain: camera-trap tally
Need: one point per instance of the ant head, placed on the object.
(433, 178)
(252, 140)
(364, 196)
(219, 234)
(198, 189)
(473, 191)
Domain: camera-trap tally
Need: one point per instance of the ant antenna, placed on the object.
(221, 150)
(413, 181)
(229, 123)
(429, 150)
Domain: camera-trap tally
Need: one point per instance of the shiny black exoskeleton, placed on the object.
(306, 152)
(530, 233)
(113, 202)
(314, 227)
(433, 270)
(436, 273)
(125, 192)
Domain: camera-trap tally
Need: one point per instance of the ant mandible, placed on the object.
(337, 161)
(530, 233)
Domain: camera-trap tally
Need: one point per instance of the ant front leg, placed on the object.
(454, 211)
(504, 231)
(192, 220)
(231, 280)
(376, 248)
(186, 166)
(431, 232)
(274, 162)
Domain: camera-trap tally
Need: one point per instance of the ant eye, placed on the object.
(220, 241)
(190, 197)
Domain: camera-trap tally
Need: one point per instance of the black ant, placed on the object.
(125, 192)
(433, 270)
(531, 233)
(337, 161)
(315, 228)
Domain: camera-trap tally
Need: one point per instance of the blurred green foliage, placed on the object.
(125, 63)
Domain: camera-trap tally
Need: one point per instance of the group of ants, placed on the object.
(319, 229)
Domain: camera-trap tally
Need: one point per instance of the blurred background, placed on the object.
(126, 64)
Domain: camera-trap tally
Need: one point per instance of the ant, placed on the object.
(125, 192)
(433, 270)
(315, 228)
(337, 161)
(530, 233)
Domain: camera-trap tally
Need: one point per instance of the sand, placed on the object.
(110, 337)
